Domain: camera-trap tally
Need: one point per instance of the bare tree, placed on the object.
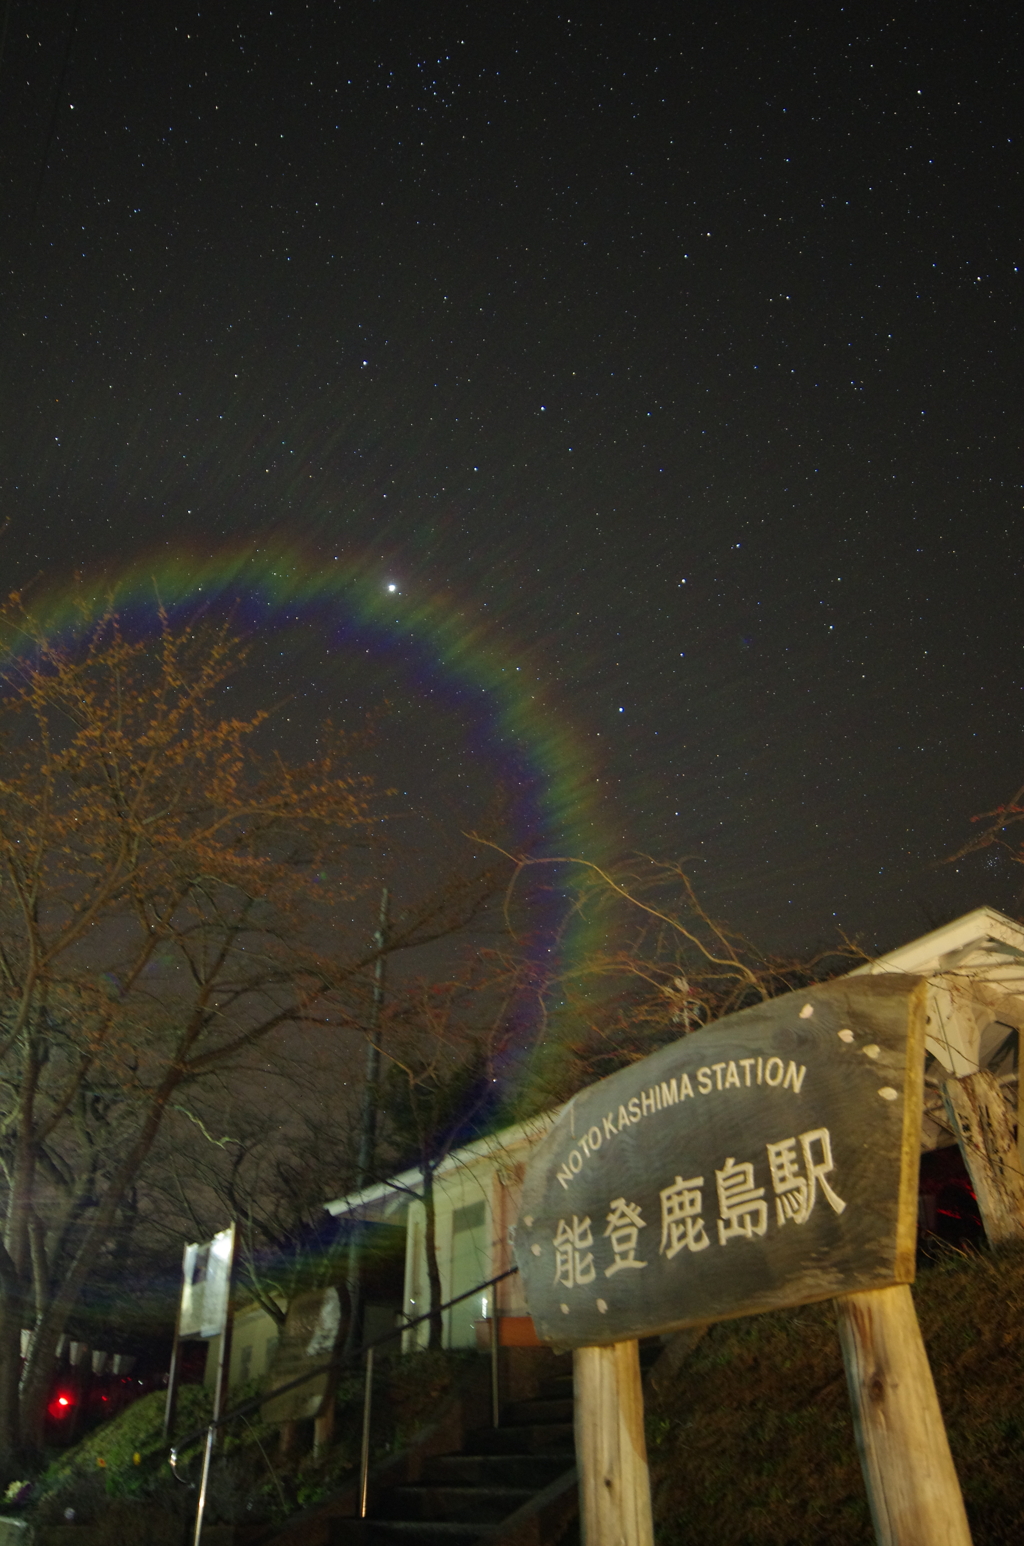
(446, 1045)
(173, 892)
(998, 828)
(638, 962)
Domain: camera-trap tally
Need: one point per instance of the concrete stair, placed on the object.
(468, 1496)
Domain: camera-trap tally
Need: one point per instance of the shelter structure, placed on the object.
(975, 971)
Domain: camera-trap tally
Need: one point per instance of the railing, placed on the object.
(336, 1365)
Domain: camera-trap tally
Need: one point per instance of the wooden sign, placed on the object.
(311, 1333)
(768, 1160)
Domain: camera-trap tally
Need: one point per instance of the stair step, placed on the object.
(434, 1532)
(533, 1412)
(558, 1388)
(534, 1471)
(477, 1505)
(540, 1438)
(464, 1497)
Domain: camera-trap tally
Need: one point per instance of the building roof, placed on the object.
(383, 1199)
(983, 946)
(977, 935)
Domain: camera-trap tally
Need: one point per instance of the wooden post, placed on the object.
(611, 1453)
(323, 1426)
(979, 1118)
(901, 1438)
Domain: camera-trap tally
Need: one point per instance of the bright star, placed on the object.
(392, 586)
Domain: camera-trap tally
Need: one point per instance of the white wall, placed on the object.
(254, 1339)
(476, 1202)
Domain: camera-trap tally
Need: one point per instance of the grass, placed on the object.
(752, 1444)
(119, 1481)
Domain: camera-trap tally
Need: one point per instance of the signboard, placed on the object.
(206, 1286)
(310, 1336)
(769, 1159)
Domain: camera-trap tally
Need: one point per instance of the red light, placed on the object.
(63, 1401)
(61, 1405)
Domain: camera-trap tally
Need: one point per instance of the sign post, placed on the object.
(766, 1161)
(205, 1311)
(611, 1452)
(908, 1470)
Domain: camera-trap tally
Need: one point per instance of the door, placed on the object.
(470, 1264)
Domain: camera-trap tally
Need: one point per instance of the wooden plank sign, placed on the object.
(311, 1332)
(767, 1160)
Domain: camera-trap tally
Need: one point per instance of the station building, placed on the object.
(975, 1016)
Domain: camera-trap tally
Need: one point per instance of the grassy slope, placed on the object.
(118, 1478)
(753, 1442)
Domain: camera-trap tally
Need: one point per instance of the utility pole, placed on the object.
(368, 1121)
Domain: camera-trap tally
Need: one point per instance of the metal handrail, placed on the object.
(364, 1445)
(344, 1362)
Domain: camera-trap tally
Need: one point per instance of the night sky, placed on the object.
(674, 349)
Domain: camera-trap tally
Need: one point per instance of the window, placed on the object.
(469, 1217)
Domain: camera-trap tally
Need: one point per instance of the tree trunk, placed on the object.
(28, 1410)
(16, 1304)
(10, 1373)
(436, 1336)
(37, 1374)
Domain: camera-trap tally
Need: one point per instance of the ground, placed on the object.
(752, 1444)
